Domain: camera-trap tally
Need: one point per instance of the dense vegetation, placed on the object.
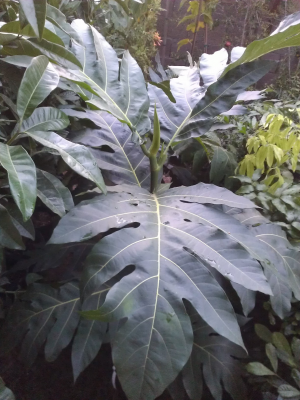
(106, 237)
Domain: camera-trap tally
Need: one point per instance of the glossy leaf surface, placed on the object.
(124, 162)
(58, 311)
(35, 13)
(193, 113)
(22, 177)
(53, 193)
(173, 242)
(286, 35)
(38, 82)
(78, 157)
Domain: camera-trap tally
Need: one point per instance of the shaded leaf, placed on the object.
(272, 356)
(51, 191)
(76, 156)
(26, 229)
(223, 164)
(219, 360)
(165, 87)
(125, 163)
(286, 35)
(21, 176)
(38, 82)
(171, 247)
(281, 343)
(57, 18)
(45, 119)
(194, 112)
(259, 369)
(9, 235)
(35, 13)
(288, 391)
(263, 333)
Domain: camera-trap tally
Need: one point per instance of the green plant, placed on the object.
(196, 10)
(275, 144)
(127, 25)
(281, 207)
(283, 358)
(5, 393)
(154, 282)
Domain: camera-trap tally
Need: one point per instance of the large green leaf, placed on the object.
(212, 66)
(44, 314)
(35, 12)
(5, 393)
(53, 193)
(21, 176)
(281, 264)
(223, 164)
(38, 82)
(125, 163)
(78, 157)
(33, 47)
(286, 35)
(57, 18)
(15, 27)
(175, 232)
(126, 98)
(25, 228)
(218, 358)
(45, 119)
(194, 111)
(9, 234)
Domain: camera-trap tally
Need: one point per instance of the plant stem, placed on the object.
(245, 24)
(154, 173)
(196, 26)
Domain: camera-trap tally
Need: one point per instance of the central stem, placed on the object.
(154, 173)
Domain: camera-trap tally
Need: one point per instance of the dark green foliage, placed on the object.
(160, 264)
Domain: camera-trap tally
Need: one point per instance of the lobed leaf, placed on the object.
(178, 237)
(125, 163)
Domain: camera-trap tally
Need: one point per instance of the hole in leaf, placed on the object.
(107, 149)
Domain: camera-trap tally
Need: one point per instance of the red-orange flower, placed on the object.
(157, 40)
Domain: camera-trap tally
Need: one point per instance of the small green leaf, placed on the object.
(288, 391)
(22, 177)
(26, 229)
(259, 369)
(296, 347)
(5, 393)
(261, 157)
(270, 156)
(9, 235)
(78, 157)
(35, 13)
(263, 333)
(39, 80)
(45, 119)
(296, 376)
(182, 43)
(286, 358)
(281, 343)
(50, 189)
(287, 34)
(272, 356)
(57, 18)
(165, 86)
